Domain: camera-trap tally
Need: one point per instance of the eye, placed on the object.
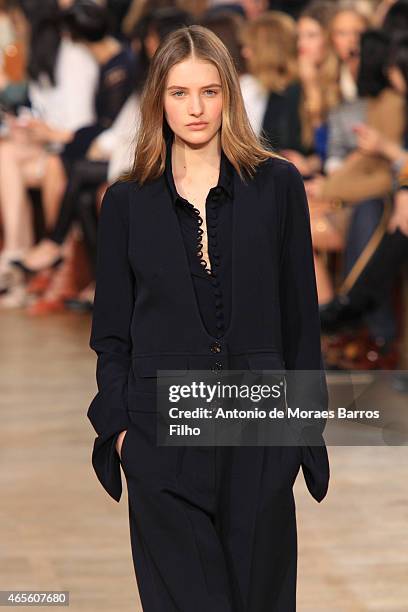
(212, 91)
(177, 92)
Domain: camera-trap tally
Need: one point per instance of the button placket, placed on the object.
(215, 258)
(200, 232)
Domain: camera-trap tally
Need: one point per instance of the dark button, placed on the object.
(213, 224)
(219, 334)
(213, 241)
(215, 347)
(213, 233)
(216, 366)
(216, 254)
(213, 214)
(218, 302)
(213, 205)
(219, 324)
(218, 190)
(217, 291)
(219, 314)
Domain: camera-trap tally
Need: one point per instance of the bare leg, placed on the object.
(324, 283)
(54, 185)
(325, 238)
(15, 208)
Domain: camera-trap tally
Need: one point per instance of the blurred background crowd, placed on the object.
(325, 83)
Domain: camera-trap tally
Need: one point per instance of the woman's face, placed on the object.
(193, 94)
(347, 28)
(397, 80)
(311, 40)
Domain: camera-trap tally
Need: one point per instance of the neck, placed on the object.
(196, 159)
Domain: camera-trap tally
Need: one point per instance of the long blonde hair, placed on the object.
(322, 12)
(271, 37)
(240, 144)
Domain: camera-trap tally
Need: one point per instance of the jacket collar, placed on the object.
(225, 180)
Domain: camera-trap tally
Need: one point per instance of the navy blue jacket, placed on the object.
(146, 316)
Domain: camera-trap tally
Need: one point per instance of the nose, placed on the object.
(195, 106)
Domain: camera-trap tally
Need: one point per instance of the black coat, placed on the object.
(146, 317)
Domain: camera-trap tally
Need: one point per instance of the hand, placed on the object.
(314, 186)
(95, 153)
(399, 217)
(308, 72)
(38, 130)
(119, 442)
(369, 140)
(301, 161)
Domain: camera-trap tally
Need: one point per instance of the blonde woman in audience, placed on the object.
(269, 87)
(318, 73)
(351, 18)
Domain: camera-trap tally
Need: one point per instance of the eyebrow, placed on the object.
(203, 87)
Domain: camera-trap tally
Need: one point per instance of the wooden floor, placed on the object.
(59, 530)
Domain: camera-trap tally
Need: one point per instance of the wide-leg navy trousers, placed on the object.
(213, 529)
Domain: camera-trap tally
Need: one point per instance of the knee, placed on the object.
(8, 151)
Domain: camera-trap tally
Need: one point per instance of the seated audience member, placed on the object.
(117, 144)
(353, 175)
(89, 25)
(367, 289)
(110, 155)
(369, 218)
(57, 69)
(349, 21)
(270, 88)
(318, 74)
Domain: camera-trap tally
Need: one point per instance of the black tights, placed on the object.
(84, 176)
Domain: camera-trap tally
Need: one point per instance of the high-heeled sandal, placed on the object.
(30, 271)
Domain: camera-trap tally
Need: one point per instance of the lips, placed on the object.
(197, 124)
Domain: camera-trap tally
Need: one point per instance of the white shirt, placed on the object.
(118, 142)
(255, 100)
(69, 105)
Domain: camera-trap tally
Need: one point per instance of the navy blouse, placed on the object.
(212, 286)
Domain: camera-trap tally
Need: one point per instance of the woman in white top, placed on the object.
(63, 79)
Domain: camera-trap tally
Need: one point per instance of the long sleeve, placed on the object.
(110, 337)
(300, 325)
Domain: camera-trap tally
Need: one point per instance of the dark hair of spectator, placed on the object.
(226, 25)
(372, 78)
(162, 21)
(167, 19)
(87, 21)
(45, 37)
(396, 19)
(398, 56)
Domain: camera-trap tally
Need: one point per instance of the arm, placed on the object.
(300, 328)
(337, 143)
(110, 336)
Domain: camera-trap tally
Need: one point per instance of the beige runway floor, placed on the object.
(59, 530)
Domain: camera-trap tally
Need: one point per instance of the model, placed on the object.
(204, 263)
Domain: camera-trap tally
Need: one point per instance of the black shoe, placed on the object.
(339, 314)
(79, 305)
(30, 271)
(400, 382)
